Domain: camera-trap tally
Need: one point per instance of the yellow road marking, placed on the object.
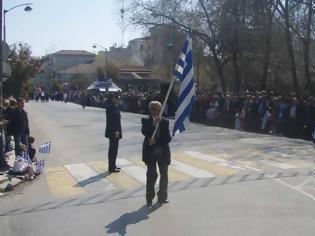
(121, 179)
(99, 166)
(61, 183)
(204, 165)
(54, 169)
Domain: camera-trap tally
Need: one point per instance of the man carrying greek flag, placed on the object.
(156, 151)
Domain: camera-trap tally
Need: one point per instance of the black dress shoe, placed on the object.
(114, 171)
(163, 201)
(149, 203)
(118, 168)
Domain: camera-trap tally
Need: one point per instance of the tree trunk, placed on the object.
(219, 67)
(236, 47)
(218, 64)
(291, 50)
(266, 60)
(306, 43)
(236, 72)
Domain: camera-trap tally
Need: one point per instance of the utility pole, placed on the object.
(2, 161)
(1, 66)
(122, 15)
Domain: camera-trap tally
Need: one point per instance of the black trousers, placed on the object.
(152, 177)
(112, 153)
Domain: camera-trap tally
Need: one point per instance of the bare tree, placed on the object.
(197, 16)
(284, 8)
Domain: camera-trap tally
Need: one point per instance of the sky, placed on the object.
(54, 25)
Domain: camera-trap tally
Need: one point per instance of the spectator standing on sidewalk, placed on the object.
(9, 116)
(83, 98)
(113, 131)
(20, 127)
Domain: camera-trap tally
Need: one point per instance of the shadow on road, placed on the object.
(92, 179)
(120, 225)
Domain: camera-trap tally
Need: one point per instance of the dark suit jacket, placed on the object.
(9, 115)
(18, 122)
(113, 123)
(159, 151)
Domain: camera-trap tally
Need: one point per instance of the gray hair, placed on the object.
(154, 103)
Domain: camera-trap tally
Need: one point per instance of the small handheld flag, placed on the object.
(45, 148)
(40, 166)
(185, 73)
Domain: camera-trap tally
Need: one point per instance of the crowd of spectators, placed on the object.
(15, 139)
(265, 112)
(259, 111)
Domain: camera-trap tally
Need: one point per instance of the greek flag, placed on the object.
(40, 166)
(45, 148)
(185, 73)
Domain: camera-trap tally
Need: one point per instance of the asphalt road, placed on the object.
(222, 182)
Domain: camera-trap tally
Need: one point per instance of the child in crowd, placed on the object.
(23, 165)
(238, 119)
(266, 119)
(31, 149)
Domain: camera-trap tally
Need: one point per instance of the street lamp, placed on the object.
(28, 8)
(95, 45)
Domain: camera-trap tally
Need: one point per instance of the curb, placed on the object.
(11, 183)
(3, 178)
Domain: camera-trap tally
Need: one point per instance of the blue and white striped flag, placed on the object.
(45, 148)
(185, 73)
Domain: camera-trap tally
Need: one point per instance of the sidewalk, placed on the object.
(9, 182)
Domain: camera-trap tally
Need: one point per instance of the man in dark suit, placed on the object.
(113, 131)
(156, 151)
(19, 125)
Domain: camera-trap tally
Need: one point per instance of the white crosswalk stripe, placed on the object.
(136, 172)
(190, 170)
(278, 164)
(88, 178)
(93, 176)
(123, 162)
(210, 158)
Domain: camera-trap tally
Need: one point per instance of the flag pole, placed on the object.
(164, 104)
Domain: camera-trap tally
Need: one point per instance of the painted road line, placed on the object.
(120, 180)
(61, 183)
(120, 162)
(289, 159)
(180, 168)
(209, 166)
(173, 175)
(88, 178)
(213, 159)
(278, 157)
(249, 165)
(280, 165)
(137, 172)
(98, 166)
(190, 170)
